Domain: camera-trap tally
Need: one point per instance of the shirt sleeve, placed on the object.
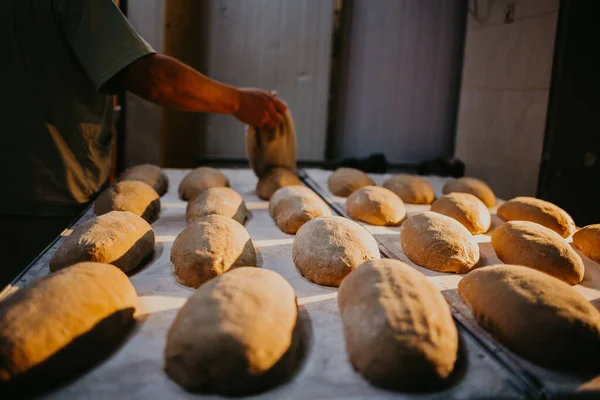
(101, 37)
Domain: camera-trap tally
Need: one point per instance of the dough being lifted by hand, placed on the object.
(150, 174)
(344, 181)
(539, 317)
(217, 200)
(119, 238)
(397, 325)
(211, 246)
(466, 209)
(235, 335)
(535, 246)
(439, 243)
(539, 211)
(410, 188)
(42, 324)
(274, 180)
(327, 249)
(476, 187)
(293, 206)
(199, 179)
(376, 206)
(136, 197)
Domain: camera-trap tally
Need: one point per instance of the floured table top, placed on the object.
(135, 370)
(545, 382)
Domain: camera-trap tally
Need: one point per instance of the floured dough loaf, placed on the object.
(535, 246)
(293, 206)
(476, 187)
(539, 211)
(268, 148)
(119, 238)
(39, 323)
(539, 317)
(439, 243)
(275, 179)
(466, 209)
(410, 188)
(211, 246)
(199, 179)
(150, 174)
(217, 200)
(343, 181)
(587, 240)
(327, 249)
(136, 197)
(233, 333)
(398, 327)
(376, 206)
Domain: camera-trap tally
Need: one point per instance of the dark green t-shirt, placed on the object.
(55, 124)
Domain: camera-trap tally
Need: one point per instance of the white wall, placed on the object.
(504, 95)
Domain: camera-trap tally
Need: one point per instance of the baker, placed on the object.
(62, 60)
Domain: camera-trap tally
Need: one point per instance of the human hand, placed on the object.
(259, 108)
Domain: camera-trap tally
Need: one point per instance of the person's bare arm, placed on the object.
(170, 83)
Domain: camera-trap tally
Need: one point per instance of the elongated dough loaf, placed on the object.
(326, 249)
(537, 316)
(136, 197)
(466, 209)
(150, 174)
(535, 246)
(476, 187)
(587, 239)
(235, 334)
(211, 246)
(199, 179)
(376, 206)
(119, 238)
(539, 211)
(268, 148)
(397, 325)
(293, 206)
(217, 200)
(343, 181)
(410, 188)
(275, 178)
(40, 323)
(439, 243)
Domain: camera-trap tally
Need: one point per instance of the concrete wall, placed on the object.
(504, 94)
(401, 79)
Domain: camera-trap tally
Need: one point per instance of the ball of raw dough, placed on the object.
(539, 211)
(39, 324)
(268, 148)
(275, 179)
(119, 238)
(326, 249)
(199, 179)
(217, 200)
(439, 243)
(136, 197)
(541, 318)
(233, 333)
(410, 188)
(535, 246)
(211, 246)
(587, 239)
(398, 327)
(376, 206)
(343, 181)
(466, 209)
(476, 187)
(150, 174)
(293, 206)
